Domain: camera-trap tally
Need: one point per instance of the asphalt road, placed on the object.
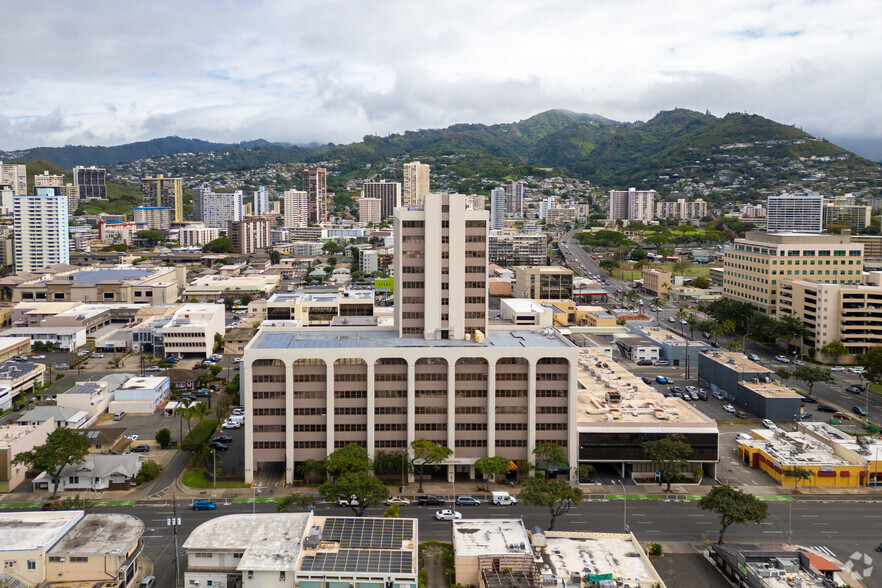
(840, 527)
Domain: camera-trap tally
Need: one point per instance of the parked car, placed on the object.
(702, 395)
(854, 389)
(218, 446)
(142, 448)
(38, 357)
(118, 416)
(644, 362)
(806, 416)
(729, 408)
(223, 439)
(676, 389)
(671, 319)
(430, 500)
(837, 368)
(204, 505)
(148, 582)
(857, 370)
(231, 425)
(351, 501)
(663, 362)
(399, 500)
(153, 368)
(102, 356)
(467, 500)
(131, 437)
(825, 408)
(841, 416)
(740, 414)
(745, 436)
(767, 423)
(646, 380)
(238, 360)
(714, 344)
(719, 395)
(661, 379)
(684, 322)
(62, 366)
(798, 363)
(447, 515)
(859, 411)
(782, 358)
(809, 400)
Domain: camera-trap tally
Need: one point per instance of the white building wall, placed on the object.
(41, 234)
(217, 209)
(497, 208)
(296, 208)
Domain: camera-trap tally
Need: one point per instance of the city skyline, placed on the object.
(215, 72)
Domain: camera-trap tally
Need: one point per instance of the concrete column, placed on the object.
(451, 404)
(245, 382)
(491, 408)
(411, 409)
(572, 428)
(531, 408)
(329, 401)
(289, 423)
(371, 402)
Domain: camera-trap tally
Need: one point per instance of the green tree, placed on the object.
(799, 474)
(224, 407)
(811, 375)
(247, 299)
(680, 268)
(367, 489)
(668, 455)
(391, 512)
(349, 458)
(558, 496)
(492, 466)
(587, 472)
(312, 469)
(784, 374)
(790, 328)
(608, 265)
(835, 349)
(331, 247)
(700, 282)
(63, 447)
(295, 501)
(275, 257)
(219, 245)
(733, 506)
(150, 470)
(427, 453)
(872, 362)
(163, 437)
(152, 237)
(551, 454)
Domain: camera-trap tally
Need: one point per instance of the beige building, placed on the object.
(296, 205)
(757, 265)
(416, 183)
(315, 184)
(192, 329)
(632, 205)
(852, 216)
(511, 247)
(389, 194)
(12, 346)
(370, 210)
(560, 216)
(15, 439)
(681, 209)
(314, 308)
(250, 235)
(197, 236)
(15, 175)
(165, 192)
(657, 281)
(153, 218)
(543, 282)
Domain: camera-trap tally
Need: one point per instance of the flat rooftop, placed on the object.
(94, 276)
(772, 390)
(144, 383)
(25, 531)
(611, 396)
(14, 432)
(523, 305)
(867, 446)
(597, 554)
(320, 338)
(665, 335)
(738, 362)
(100, 534)
(791, 449)
(478, 537)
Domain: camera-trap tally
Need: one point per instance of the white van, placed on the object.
(237, 418)
(503, 499)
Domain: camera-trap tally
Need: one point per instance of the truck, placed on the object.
(503, 499)
(430, 500)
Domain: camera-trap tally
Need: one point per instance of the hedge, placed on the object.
(199, 436)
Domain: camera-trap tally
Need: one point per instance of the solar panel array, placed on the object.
(367, 533)
(359, 560)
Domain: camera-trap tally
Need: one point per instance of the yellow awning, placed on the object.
(512, 465)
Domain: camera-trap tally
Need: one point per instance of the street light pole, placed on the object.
(790, 521)
(625, 496)
(214, 468)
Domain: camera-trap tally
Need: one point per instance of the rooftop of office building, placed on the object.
(101, 534)
(737, 361)
(771, 390)
(596, 557)
(793, 449)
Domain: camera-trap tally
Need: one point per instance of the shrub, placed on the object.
(150, 470)
(655, 549)
(391, 512)
(199, 436)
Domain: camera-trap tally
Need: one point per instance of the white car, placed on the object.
(857, 370)
(798, 363)
(837, 368)
(38, 357)
(782, 358)
(744, 436)
(238, 360)
(448, 515)
(132, 437)
(729, 408)
(684, 322)
(769, 424)
(671, 319)
(231, 425)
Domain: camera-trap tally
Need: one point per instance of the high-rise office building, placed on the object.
(296, 208)
(261, 202)
(249, 235)
(315, 184)
(801, 212)
(416, 183)
(91, 182)
(217, 208)
(497, 208)
(41, 233)
(14, 175)
(632, 205)
(369, 210)
(514, 198)
(389, 194)
(162, 191)
(440, 268)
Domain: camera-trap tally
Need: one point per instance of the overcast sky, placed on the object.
(110, 72)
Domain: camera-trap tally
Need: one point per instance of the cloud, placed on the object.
(336, 70)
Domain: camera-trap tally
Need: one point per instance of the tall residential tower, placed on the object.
(416, 183)
(41, 233)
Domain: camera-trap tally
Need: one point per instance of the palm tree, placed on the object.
(181, 411)
(657, 303)
(681, 314)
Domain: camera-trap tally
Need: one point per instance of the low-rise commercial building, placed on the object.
(11, 346)
(656, 281)
(19, 378)
(192, 329)
(638, 349)
(521, 311)
(617, 412)
(679, 350)
(91, 397)
(773, 566)
(302, 550)
(14, 439)
(543, 282)
(864, 450)
(214, 287)
(61, 338)
(314, 307)
(140, 395)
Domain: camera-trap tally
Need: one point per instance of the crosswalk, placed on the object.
(821, 549)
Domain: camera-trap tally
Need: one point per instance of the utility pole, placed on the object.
(174, 522)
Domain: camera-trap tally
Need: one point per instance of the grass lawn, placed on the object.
(196, 478)
(626, 274)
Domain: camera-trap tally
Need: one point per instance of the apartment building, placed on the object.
(296, 208)
(801, 212)
(47, 180)
(850, 313)
(872, 245)
(192, 329)
(514, 198)
(315, 184)
(507, 248)
(91, 182)
(547, 282)
(14, 175)
(438, 374)
(416, 183)
(41, 235)
(261, 202)
(249, 235)
(71, 192)
(681, 209)
(560, 215)
(758, 264)
(370, 210)
(217, 209)
(632, 205)
(197, 235)
(167, 192)
(389, 194)
(154, 218)
(852, 216)
(115, 233)
(657, 281)
(497, 209)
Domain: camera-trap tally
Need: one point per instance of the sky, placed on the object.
(304, 71)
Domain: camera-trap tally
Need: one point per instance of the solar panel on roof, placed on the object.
(368, 533)
(359, 560)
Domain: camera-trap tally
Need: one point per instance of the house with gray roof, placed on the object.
(72, 418)
(97, 472)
